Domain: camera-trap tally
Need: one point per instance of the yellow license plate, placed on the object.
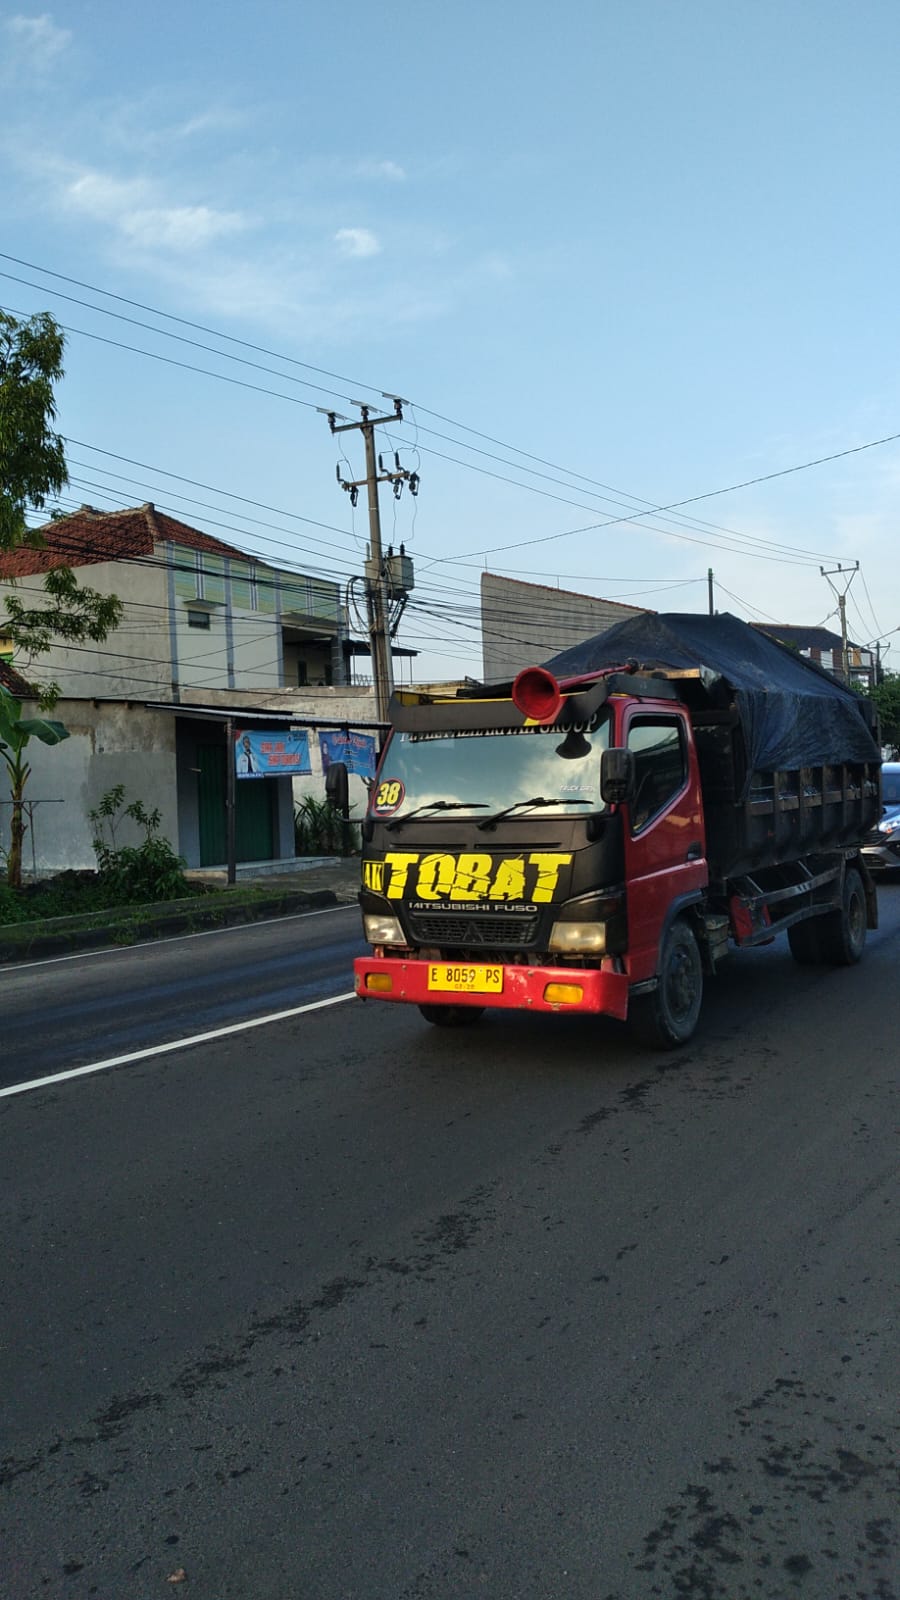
(459, 978)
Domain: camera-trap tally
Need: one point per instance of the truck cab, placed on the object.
(501, 835)
(599, 843)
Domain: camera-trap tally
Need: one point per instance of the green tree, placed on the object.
(886, 696)
(32, 456)
(32, 469)
(70, 612)
(16, 733)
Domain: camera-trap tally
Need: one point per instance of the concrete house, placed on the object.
(523, 624)
(199, 613)
(825, 648)
(212, 639)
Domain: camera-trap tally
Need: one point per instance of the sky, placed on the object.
(616, 259)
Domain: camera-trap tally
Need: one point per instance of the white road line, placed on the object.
(173, 938)
(175, 1044)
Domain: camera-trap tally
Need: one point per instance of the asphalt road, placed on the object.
(345, 1308)
(68, 1010)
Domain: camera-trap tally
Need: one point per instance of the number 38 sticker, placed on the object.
(388, 797)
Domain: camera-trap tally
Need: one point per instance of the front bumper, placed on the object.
(602, 992)
(881, 856)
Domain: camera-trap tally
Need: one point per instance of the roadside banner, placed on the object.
(356, 750)
(260, 754)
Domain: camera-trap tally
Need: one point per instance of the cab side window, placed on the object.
(660, 766)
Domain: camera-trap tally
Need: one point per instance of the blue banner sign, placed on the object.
(260, 754)
(356, 750)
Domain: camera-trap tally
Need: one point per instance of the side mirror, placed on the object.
(617, 776)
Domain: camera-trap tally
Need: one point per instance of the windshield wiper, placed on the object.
(518, 805)
(437, 805)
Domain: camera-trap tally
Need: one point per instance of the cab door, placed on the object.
(665, 841)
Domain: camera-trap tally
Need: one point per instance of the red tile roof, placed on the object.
(89, 536)
(14, 682)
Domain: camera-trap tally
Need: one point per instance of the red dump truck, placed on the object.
(599, 834)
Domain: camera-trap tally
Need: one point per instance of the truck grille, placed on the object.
(470, 929)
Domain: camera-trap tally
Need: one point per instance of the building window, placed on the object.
(198, 619)
(302, 675)
(210, 577)
(243, 586)
(187, 581)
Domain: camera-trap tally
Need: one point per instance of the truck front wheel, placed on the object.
(667, 1018)
(452, 1016)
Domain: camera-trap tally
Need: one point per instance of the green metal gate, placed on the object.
(253, 821)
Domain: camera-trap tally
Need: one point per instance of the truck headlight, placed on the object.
(380, 929)
(579, 938)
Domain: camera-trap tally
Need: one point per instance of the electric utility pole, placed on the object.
(377, 604)
(709, 585)
(841, 597)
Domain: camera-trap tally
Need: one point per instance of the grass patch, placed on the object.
(70, 894)
(68, 915)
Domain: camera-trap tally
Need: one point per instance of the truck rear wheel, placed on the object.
(838, 938)
(452, 1016)
(844, 931)
(667, 1018)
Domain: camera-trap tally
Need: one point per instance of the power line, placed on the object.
(241, 499)
(648, 507)
(451, 560)
(170, 361)
(185, 322)
(228, 527)
(878, 628)
(135, 322)
(620, 495)
(512, 614)
(512, 617)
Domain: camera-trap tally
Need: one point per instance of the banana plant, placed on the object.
(16, 733)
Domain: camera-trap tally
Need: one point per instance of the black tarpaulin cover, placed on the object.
(793, 713)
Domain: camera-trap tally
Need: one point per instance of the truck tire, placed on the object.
(805, 940)
(452, 1016)
(667, 1018)
(844, 931)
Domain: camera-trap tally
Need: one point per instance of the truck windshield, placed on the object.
(489, 772)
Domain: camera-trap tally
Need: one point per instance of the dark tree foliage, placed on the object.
(32, 469)
(886, 696)
(32, 457)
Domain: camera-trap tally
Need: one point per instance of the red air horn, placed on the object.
(537, 694)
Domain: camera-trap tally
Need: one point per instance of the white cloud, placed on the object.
(102, 197)
(497, 266)
(179, 227)
(358, 242)
(128, 206)
(382, 169)
(218, 121)
(37, 39)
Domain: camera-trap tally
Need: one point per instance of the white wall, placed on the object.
(107, 745)
(201, 653)
(523, 624)
(134, 659)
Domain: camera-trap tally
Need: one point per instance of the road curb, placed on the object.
(17, 943)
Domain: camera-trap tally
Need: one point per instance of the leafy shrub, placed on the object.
(9, 905)
(135, 874)
(320, 829)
